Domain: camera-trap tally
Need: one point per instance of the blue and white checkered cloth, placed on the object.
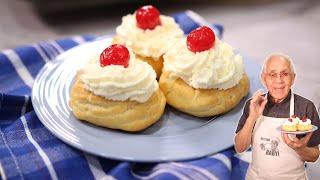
(29, 151)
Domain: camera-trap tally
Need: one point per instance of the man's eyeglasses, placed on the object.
(282, 75)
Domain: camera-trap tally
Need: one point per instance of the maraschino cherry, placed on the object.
(304, 118)
(115, 54)
(200, 39)
(148, 17)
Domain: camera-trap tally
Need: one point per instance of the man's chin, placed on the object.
(279, 95)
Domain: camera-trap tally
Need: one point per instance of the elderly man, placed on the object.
(277, 155)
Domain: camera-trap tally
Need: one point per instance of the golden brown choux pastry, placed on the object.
(201, 102)
(123, 115)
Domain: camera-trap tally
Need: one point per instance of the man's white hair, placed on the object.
(284, 56)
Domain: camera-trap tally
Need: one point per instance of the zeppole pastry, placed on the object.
(304, 124)
(149, 34)
(290, 125)
(294, 123)
(202, 75)
(117, 91)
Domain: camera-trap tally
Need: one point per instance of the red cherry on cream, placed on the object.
(115, 54)
(304, 119)
(290, 120)
(200, 39)
(148, 17)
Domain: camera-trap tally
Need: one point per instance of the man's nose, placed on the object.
(279, 79)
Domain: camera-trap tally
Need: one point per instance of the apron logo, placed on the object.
(269, 146)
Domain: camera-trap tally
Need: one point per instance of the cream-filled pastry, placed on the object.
(202, 75)
(149, 34)
(117, 91)
(304, 124)
(294, 123)
(290, 125)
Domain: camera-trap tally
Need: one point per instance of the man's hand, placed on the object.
(257, 104)
(295, 143)
(244, 136)
(308, 154)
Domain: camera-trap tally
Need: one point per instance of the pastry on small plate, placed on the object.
(117, 91)
(290, 125)
(304, 124)
(149, 34)
(202, 75)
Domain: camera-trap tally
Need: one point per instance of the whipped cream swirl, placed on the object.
(290, 123)
(137, 82)
(305, 123)
(296, 119)
(216, 68)
(148, 43)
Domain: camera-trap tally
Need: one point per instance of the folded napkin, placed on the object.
(29, 151)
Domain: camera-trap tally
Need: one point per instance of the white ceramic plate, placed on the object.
(314, 128)
(176, 136)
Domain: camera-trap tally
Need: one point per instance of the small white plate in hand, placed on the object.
(314, 128)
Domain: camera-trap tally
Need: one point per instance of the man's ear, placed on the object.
(293, 78)
(263, 79)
